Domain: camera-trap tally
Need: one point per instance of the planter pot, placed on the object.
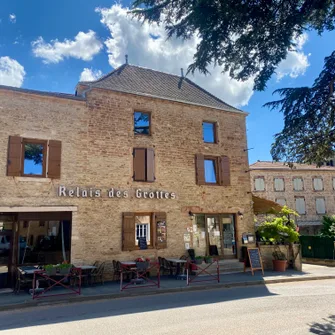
(209, 260)
(51, 272)
(198, 261)
(64, 271)
(279, 265)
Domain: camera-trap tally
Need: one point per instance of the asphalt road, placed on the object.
(291, 308)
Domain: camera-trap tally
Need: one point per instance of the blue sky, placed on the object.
(98, 40)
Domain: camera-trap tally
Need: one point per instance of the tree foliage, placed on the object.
(34, 152)
(247, 38)
(309, 119)
(328, 226)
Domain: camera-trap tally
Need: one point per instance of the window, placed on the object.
(281, 201)
(298, 184)
(320, 205)
(209, 132)
(31, 157)
(151, 226)
(333, 183)
(142, 122)
(318, 184)
(211, 170)
(300, 205)
(279, 185)
(259, 184)
(144, 164)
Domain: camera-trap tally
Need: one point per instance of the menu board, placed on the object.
(161, 231)
(142, 242)
(255, 260)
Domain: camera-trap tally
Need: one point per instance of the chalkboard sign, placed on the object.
(255, 260)
(142, 243)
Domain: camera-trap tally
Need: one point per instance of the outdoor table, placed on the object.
(178, 262)
(58, 279)
(87, 267)
(85, 270)
(128, 264)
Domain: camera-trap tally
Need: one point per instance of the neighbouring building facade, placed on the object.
(307, 189)
(137, 163)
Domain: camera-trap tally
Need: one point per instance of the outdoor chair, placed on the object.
(116, 270)
(168, 267)
(22, 281)
(98, 276)
(127, 272)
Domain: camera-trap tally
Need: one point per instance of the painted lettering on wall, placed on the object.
(77, 192)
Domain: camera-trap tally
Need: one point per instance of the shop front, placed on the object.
(32, 238)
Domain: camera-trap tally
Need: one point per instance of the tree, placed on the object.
(247, 38)
(309, 120)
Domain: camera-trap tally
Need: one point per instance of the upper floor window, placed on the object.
(144, 164)
(279, 184)
(318, 184)
(281, 201)
(298, 184)
(333, 183)
(29, 158)
(209, 132)
(259, 184)
(320, 205)
(300, 205)
(212, 170)
(142, 123)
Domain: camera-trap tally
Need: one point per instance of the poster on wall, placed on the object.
(187, 246)
(187, 237)
(161, 231)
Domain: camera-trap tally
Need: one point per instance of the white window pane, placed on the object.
(300, 205)
(333, 183)
(142, 228)
(281, 201)
(279, 184)
(318, 184)
(259, 184)
(320, 205)
(298, 184)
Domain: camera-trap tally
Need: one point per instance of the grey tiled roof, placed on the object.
(52, 94)
(138, 80)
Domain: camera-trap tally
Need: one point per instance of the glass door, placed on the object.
(228, 231)
(6, 240)
(214, 235)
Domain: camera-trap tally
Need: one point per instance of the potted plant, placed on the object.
(50, 269)
(199, 259)
(64, 269)
(208, 259)
(279, 261)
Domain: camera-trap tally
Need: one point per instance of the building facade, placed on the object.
(307, 189)
(137, 163)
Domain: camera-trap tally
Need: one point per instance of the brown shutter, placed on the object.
(224, 171)
(14, 156)
(128, 232)
(54, 161)
(139, 164)
(200, 169)
(150, 164)
(161, 230)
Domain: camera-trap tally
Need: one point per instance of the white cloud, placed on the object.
(12, 18)
(11, 72)
(296, 61)
(129, 36)
(90, 74)
(84, 46)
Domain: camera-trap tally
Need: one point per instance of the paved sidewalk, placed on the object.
(111, 290)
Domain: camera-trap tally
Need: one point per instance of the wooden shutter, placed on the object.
(128, 232)
(150, 164)
(14, 156)
(200, 169)
(139, 164)
(161, 230)
(54, 160)
(225, 171)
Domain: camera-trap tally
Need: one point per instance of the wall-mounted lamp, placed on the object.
(240, 214)
(191, 214)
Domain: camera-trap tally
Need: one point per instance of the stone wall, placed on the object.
(267, 250)
(97, 142)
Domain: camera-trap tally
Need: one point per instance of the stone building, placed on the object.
(305, 188)
(136, 156)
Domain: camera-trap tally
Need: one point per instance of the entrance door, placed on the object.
(214, 235)
(6, 240)
(228, 231)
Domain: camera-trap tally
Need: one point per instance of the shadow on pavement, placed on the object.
(92, 310)
(326, 328)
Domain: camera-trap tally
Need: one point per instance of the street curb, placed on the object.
(124, 295)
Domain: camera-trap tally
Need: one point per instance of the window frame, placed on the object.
(281, 198)
(295, 203)
(44, 162)
(259, 177)
(303, 184)
(150, 118)
(274, 184)
(316, 208)
(323, 184)
(216, 167)
(215, 131)
(150, 214)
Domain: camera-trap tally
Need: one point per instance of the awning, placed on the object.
(265, 206)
